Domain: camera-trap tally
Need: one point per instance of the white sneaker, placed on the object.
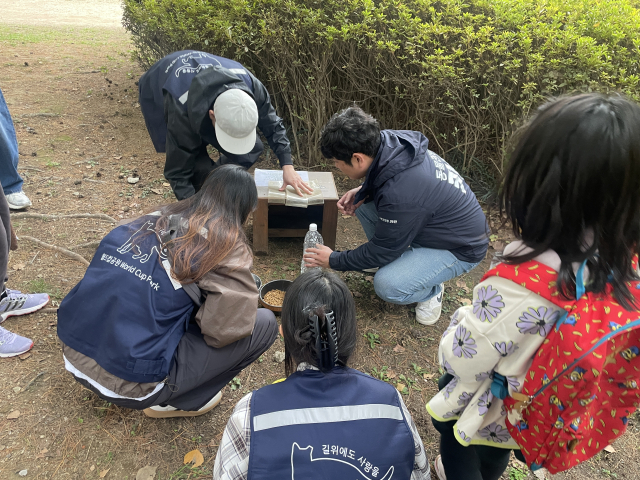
(169, 412)
(18, 200)
(439, 468)
(428, 313)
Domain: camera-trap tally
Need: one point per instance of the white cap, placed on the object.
(236, 121)
(313, 227)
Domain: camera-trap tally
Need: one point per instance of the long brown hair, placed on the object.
(220, 208)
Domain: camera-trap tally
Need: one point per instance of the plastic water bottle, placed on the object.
(312, 238)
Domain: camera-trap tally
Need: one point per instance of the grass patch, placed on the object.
(40, 285)
(21, 34)
(517, 474)
(186, 472)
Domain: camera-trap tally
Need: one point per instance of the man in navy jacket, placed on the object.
(192, 99)
(423, 222)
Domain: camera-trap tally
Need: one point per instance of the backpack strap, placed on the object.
(525, 400)
(545, 276)
(539, 279)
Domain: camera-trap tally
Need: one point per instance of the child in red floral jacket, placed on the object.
(572, 193)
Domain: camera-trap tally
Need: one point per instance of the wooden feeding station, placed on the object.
(271, 220)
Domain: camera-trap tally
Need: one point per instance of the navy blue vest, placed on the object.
(339, 425)
(174, 73)
(125, 313)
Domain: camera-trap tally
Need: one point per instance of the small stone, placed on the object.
(34, 154)
(278, 357)
(77, 182)
(133, 180)
(16, 389)
(23, 473)
(125, 209)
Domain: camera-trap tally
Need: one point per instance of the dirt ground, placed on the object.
(73, 96)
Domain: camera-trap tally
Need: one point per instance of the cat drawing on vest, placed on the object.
(302, 460)
(137, 251)
(187, 67)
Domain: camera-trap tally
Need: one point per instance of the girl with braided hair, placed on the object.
(325, 420)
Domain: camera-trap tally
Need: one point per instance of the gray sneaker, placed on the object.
(12, 344)
(18, 200)
(16, 303)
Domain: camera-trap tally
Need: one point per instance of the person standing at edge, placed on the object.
(191, 99)
(9, 177)
(423, 222)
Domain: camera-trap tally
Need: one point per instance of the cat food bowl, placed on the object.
(274, 292)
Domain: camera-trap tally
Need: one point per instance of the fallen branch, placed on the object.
(25, 115)
(89, 160)
(100, 216)
(64, 251)
(30, 168)
(48, 310)
(84, 73)
(94, 244)
(33, 380)
(92, 180)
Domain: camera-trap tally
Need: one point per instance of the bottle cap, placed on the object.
(313, 227)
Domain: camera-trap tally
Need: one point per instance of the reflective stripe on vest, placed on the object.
(303, 416)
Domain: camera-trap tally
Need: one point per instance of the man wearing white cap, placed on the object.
(192, 99)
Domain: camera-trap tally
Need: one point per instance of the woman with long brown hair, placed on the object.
(166, 314)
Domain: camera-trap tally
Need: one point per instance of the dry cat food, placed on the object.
(274, 297)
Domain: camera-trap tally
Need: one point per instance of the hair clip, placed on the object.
(332, 336)
(325, 340)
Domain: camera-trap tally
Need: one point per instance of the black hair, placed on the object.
(317, 292)
(350, 131)
(573, 185)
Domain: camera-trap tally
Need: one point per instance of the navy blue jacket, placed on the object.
(339, 425)
(126, 313)
(176, 94)
(421, 201)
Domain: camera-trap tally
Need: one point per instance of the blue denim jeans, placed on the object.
(415, 276)
(9, 178)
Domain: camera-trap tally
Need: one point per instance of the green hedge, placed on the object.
(460, 71)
